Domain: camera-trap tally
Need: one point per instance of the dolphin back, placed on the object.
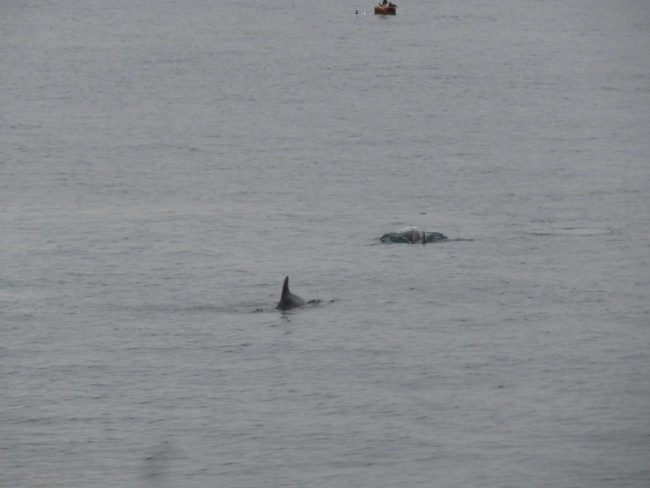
(288, 300)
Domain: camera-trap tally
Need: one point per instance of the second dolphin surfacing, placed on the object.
(288, 300)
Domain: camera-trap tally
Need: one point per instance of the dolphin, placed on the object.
(417, 237)
(288, 300)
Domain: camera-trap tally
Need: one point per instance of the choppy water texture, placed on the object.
(163, 166)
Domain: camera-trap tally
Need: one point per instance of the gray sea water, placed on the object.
(164, 165)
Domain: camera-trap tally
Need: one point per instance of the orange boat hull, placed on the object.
(386, 10)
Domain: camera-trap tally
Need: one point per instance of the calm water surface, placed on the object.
(164, 165)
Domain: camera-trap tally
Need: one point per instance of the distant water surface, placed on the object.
(164, 165)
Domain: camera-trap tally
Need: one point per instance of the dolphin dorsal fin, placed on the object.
(285, 288)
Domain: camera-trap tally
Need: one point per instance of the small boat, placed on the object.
(387, 10)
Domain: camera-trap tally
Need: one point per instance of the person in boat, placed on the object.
(392, 5)
(385, 3)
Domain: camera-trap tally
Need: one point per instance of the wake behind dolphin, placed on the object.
(288, 300)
